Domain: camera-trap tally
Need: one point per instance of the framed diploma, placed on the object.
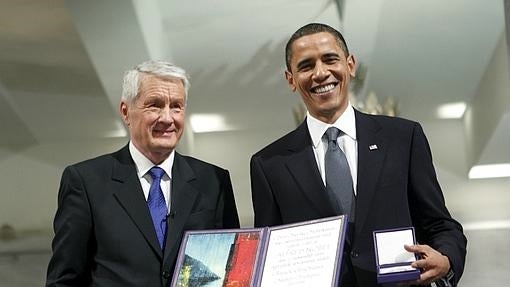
(301, 254)
(393, 261)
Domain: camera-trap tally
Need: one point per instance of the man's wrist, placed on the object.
(446, 281)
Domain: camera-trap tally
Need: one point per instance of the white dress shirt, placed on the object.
(143, 165)
(346, 141)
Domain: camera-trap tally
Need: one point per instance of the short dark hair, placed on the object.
(309, 29)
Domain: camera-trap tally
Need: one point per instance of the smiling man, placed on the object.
(121, 216)
(378, 170)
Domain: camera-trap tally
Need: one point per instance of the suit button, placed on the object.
(354, 254)
(165, 274)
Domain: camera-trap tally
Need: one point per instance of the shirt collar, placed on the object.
(346, 123)
(143, 164)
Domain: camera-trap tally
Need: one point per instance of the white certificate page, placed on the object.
(304, 255)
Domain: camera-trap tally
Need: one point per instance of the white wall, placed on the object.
(30, 178)
(232, 151)
(489, 104)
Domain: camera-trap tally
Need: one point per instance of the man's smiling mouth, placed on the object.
(323, 89)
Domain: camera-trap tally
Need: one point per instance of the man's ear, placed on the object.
(124, 112)
(351, 64)
(290, 80)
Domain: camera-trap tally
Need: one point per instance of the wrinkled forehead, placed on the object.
(151, 78)
(161, 85)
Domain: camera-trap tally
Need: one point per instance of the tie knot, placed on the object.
(156, 173)
(332, 133)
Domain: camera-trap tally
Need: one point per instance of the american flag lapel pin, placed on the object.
(372, 147)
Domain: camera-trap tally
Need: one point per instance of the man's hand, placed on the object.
(433, 265)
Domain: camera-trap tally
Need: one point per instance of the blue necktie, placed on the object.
(338, 176)
(157, 204)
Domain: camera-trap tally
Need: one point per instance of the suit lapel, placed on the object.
(129, 193)
(371, 154)
(183, 196)
(303, 166)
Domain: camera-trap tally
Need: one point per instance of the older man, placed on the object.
(121, 216)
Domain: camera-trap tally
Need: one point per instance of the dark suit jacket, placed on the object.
(397, 187)
(103, 229)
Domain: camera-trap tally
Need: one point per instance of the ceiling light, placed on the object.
(204, 123)
(490, 171)
(487, 225)
(451, 110)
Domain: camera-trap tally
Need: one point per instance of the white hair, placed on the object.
(132, 77)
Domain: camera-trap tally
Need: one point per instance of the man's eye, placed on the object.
(153, 109)
(331, 59)
(177, 108)
(150, 104)
(304, 68)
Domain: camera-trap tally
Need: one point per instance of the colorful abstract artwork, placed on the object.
(219, 259)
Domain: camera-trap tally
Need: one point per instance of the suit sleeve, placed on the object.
(265, 207)
(70, 261)
(433, 223)
(227, 211)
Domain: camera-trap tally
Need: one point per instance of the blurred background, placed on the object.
(442, 63)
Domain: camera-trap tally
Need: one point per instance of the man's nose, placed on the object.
(166, 115)
(321, 72)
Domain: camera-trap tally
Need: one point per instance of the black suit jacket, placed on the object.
(103, 229)
(396, 187)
